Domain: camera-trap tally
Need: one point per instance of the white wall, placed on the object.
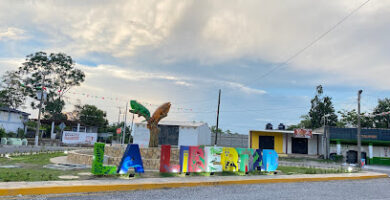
(11, 121)
(188, 136)
(141, 135)
(289, 144)
(204, 135)
(312, 145)
(379, 151)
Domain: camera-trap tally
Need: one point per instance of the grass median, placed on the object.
(30, 168)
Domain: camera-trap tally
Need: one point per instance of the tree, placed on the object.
(382, 121)
(214, 130)
(54, 73)
(305, 123)
(12, 93)
(349, 119)
(90, 115)
(53, 110)
(321, 106)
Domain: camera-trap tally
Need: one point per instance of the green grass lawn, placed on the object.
(307, 170)
(31, 168)
(292, 159)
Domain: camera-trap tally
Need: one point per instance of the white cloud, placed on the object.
(12, 33)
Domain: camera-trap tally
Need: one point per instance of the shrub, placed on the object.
(2, 133)
(11, 134)
(20, 133)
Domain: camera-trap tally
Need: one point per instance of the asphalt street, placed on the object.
(332, 190)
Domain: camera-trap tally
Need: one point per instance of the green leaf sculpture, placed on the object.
(139, 109)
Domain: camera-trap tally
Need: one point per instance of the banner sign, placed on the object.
(70, 137)
(303, 133)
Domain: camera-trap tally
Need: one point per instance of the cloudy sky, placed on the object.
(184, 51)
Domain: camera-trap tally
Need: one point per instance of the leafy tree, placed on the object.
(90, 115)
(383, 106)
(54, 73)
(214, 130)
(305, 123)
(11, 94)
(53, 110)
(350, 118)
(320, 107)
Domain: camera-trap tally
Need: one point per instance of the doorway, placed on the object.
(299, 145)
(266, 142)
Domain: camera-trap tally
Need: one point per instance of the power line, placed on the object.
(313, 42)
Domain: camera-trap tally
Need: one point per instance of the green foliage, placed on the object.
(112, 129)
(20, 133)
(2, 132)
(305, 123)
(139, 109)
(11, 134)
(12, 94)
(53, 110)
(32, 168)
(57, 74)
(321, 106)
(308, 170)
(349, 119)
(213, 130)
(90, 115)
(383, 106)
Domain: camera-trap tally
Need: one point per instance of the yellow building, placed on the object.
(284, 142)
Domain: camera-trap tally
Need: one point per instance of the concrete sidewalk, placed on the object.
(105, 185)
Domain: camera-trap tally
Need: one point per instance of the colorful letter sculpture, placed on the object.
(229, 159)
(184, 154)
(213, 159)
(196, 160)
(192, 159)
(244, 154)
(97, 163)
(256, 161)
(165, 158)
(131, 158)
(270, 160)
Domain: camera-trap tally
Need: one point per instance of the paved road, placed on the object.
(378, 168)
(332, 190)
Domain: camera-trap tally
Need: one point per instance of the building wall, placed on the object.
(11, 122)
(227, 140)
(204, 135)
(378, 151)
(188, 136)
(312, 145)
(278, 140)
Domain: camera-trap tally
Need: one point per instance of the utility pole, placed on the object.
(359, 142)
(124, 124)
(327, 137)
(219, 103)
(39, 111)
(119, 114)
(131, 128)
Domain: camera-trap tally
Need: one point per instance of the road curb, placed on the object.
(61, 189)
